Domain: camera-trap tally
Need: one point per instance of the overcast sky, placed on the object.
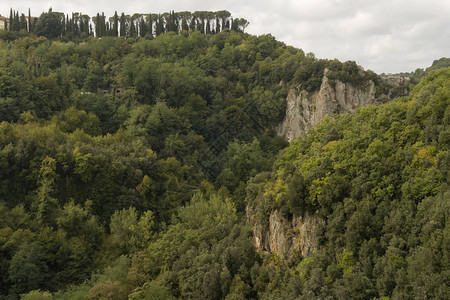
(381, 35)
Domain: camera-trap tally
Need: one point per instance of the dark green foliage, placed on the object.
(28, 269)
(50, 24)
(77, 152)
(127, 166)
(383, 192)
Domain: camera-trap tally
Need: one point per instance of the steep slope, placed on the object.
(141, 193)
(365, 199)
(305, 109)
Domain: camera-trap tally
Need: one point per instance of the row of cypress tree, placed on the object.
(56, 24)
(19, 21)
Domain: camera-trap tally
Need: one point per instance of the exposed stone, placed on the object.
(305, 110)
(284, 236)
(398, 85)
(396, 80)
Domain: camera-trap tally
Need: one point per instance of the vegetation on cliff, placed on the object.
(380, 179)
(125, 168)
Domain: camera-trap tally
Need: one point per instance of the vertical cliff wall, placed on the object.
(305, 110)
(283, 236)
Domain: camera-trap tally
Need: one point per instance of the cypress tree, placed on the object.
(142, 27)
(68, 27)
(162, 25)
(97, 25)
(23, 22)
(159, 25)
(29, 21)
(115, 30)
(81, 24)
(132, 29)
(122, 25)
(170, 23)
(76, 29)
(72, 27)
(11, 20)
(175, 23)
(87, 25)
(16, 22)
(103, 24)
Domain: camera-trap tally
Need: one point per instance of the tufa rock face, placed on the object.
(398, 85)
(396, 80)
(283, 236)
(305, 110)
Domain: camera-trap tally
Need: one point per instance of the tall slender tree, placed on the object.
(17, 25)
(76, 26)
(103, 24)
(30, 28)
(97, 25)
(23, 22)
(160, 25)
(132, 29)
(11, 20)
(142, 27)
(115, 29)
(123, 25)
(81, 22)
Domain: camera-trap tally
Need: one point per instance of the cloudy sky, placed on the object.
(382, 35)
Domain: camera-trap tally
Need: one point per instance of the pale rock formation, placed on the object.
(283, 236)
(305, 110)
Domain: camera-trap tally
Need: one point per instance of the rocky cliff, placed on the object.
(305, 110)
(284, 236)
(399, 85)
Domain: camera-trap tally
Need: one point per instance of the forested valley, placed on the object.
(135, 165)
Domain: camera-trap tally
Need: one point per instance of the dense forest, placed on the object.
(128, 162)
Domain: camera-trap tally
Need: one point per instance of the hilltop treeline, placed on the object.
(78, 25)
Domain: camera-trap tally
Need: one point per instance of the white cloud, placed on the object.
(382, 35)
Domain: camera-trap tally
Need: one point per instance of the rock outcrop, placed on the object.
(399, 85)
(283, 236)
(305, 110)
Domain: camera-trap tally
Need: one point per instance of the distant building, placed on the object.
(4, 22)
